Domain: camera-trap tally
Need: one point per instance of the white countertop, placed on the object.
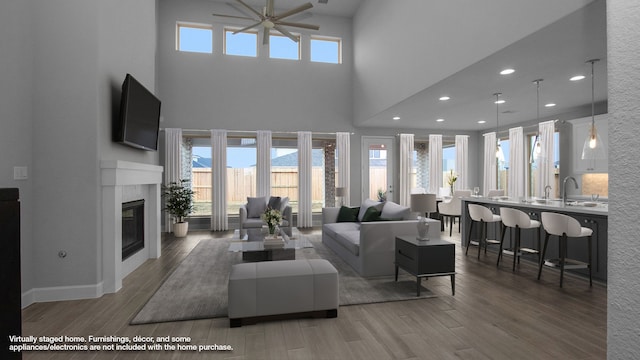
(601, 208)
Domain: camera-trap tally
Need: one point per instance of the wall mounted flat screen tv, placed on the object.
(139, 120)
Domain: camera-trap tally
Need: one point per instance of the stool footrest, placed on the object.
(568, 263)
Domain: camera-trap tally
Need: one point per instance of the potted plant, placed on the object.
(179, 204)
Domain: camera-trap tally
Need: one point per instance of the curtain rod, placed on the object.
(255, 132)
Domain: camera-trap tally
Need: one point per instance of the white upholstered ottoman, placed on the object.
(272, 289)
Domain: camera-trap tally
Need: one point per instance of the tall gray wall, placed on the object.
(16, 87)
(623, 317)
(60, 63)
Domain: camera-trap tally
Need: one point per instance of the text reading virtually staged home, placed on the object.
(327, 179)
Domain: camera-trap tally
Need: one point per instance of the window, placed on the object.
(420, 168)
(533, 166)
(240, 44)
(201, 176)
(194, 38)
(503, 167)
(448, 162)
(281, 47)
(284, 170)
(242, 157)
(326, 50)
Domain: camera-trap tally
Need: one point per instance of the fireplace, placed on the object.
(132, 227)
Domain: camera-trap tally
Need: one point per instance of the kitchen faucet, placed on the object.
(564, 187)
(546, 191)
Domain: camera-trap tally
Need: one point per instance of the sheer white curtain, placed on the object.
(263, 166)
(406, 166)
(546, 171)
(517, 163)
(305, 167)
(219, 219)
(462, 162)
(172, 163)
(490, 180)
(343, 148)
(435, 163)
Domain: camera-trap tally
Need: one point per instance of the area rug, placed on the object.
(197, 289)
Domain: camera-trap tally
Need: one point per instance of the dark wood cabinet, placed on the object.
(426, 258)
(10, 283)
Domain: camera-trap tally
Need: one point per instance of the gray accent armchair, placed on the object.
(250, 215)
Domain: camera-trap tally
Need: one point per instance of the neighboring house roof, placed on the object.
(289, 160)
(200, 162)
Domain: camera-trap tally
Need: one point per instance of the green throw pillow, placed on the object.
(348, 214)
(372, 214)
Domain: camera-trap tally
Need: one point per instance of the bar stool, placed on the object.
(517, 219)
(482, 215)
(564, 227)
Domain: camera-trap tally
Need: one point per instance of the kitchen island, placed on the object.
(594, 217)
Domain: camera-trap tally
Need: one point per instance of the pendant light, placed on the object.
(536, 148)
(593, 147)
(499, 153)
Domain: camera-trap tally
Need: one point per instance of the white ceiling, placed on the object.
(553, 54)
(343, 8)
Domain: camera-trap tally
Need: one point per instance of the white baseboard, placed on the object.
(61, 293)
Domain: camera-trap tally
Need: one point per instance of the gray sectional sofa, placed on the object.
(369, 246)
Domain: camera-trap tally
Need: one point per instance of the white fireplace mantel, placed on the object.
(115, 174)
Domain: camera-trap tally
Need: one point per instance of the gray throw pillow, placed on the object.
(275, 203)
(256, 206)
(284, 202)
(392, 210)
(366, 205)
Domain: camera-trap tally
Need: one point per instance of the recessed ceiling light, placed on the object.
(577, 77)
(440, 120)
(481, 121)
(550, 105)
(499, 101)
(396, 118)
(444, 98)
(507, 71)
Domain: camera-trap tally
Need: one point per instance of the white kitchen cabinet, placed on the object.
(581, 129)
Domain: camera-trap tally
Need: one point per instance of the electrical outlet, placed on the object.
(20, 173)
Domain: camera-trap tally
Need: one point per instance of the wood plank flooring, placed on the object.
(495, 314)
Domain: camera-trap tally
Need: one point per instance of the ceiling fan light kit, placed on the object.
(269, 20)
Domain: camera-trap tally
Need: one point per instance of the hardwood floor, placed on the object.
(495, 314)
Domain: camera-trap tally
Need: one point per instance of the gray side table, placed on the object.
(426, 258)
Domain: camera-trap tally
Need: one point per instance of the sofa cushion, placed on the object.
(256, 206)
(367, 204)
(372, 214)
(347, 214)
(253, 223)
(275, 203)
(284, 202)
(333, 229)
(350, 240)
(392, 210)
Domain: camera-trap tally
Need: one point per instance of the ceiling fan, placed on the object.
(270, 20)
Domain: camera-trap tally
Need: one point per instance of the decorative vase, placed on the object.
(272, 230)
(451, 190)
(180, 229)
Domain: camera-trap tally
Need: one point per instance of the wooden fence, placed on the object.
(241, 183)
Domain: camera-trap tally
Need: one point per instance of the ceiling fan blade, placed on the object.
(305, 26)
(265, 36)
(235, 17)
(251, 9)
(269, 8)
(293, 11)
(247, 28)
(286, 33)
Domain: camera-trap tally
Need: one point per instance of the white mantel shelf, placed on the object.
(115, 174)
